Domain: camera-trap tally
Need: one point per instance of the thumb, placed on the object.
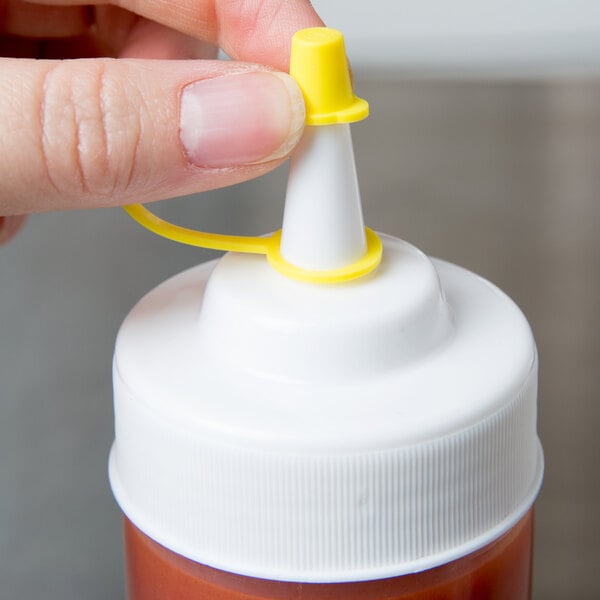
(101, 132)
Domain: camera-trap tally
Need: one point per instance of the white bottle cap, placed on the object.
(325, 432)
(299, 432)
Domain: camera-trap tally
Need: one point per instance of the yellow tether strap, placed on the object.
(259, 245)
(191, 237)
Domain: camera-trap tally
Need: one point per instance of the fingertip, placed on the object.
(240, 119)
(297, 116)
(268, 40)
(10, 226)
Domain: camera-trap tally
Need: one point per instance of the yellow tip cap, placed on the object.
(318, 64)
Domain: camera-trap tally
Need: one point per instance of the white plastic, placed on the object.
(323, 227)
(347, 432)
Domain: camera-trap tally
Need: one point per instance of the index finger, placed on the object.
(250, 30)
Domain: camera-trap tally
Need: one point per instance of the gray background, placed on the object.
(501, 177)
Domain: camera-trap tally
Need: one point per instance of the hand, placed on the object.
(152, 124)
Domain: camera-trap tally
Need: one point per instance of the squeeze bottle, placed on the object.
(325, 412)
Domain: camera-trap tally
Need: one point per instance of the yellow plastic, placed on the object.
(318, 64)
(259, 245)
(191, 237)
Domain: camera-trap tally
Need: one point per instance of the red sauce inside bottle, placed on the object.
(499, 571)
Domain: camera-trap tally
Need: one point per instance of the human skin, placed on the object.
(141, 111)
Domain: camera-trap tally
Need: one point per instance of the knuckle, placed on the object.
(90, 129)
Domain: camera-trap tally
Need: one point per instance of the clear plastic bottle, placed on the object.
(344, 419)
(501, 570)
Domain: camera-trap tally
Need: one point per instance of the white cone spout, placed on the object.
(323, 226)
